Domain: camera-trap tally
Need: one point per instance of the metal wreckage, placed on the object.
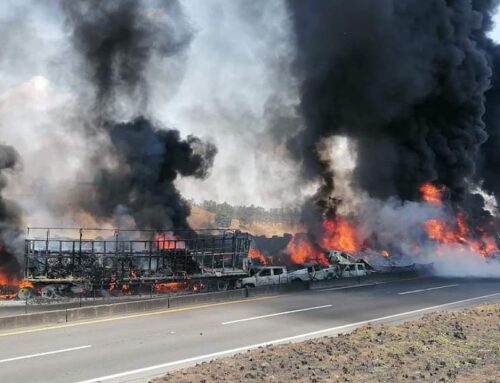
(68, 262)
(62, 262)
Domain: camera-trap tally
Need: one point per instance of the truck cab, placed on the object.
(265, 276)
(353, 270)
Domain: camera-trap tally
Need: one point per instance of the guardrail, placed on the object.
(122, 308)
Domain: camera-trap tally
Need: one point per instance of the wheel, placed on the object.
(249, 285)
(298, 280)
(25, 293)
(222, 285)
(49, 292)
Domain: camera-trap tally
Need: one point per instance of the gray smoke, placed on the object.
(118, 41)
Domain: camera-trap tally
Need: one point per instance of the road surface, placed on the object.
(139, 346)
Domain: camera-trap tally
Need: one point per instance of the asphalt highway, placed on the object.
(139, 346)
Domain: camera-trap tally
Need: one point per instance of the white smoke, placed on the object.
(237, 83)
(37, 120)
(455, 261)
(399, 228)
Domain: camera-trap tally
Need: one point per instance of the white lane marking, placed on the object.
(365, 284)
(276, 314)
(428, 289)
(276, 341)
(44, 353)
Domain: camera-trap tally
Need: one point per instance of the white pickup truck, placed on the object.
(353, 270)
(319, 272)
(313, 272)
(345, 264)
(342, 267)
(269, 275)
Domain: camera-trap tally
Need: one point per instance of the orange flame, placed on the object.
(432, 194)
(6, 280)
(253, 253)
(339, 235)
(460, 235)
(168, 241)
(10, 286)
(301, 251)
(170, 287)
(8, 296)
(26, 285)
(125, 289)
(439, 231)
(10, 281)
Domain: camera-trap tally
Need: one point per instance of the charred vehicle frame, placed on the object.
(133, 260)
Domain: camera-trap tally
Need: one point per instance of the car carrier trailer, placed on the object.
(66, 261)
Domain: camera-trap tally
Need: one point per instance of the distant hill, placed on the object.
(201, 218)
(256, 221)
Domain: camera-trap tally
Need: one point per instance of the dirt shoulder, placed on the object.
(462, 346)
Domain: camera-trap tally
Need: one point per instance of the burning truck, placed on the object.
(65, 262)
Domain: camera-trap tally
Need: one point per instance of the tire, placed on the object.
(50, 292)
(25, 293)
(251, 285)
(222, 285)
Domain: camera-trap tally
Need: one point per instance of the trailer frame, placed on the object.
(100, 257)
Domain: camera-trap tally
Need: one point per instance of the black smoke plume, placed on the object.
(149, 159)
(489, 154)
(10, 216)
(117, 40)
(406, 81)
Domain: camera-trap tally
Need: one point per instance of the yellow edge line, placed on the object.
(111, 319)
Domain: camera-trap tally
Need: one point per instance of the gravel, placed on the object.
(460, 346)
